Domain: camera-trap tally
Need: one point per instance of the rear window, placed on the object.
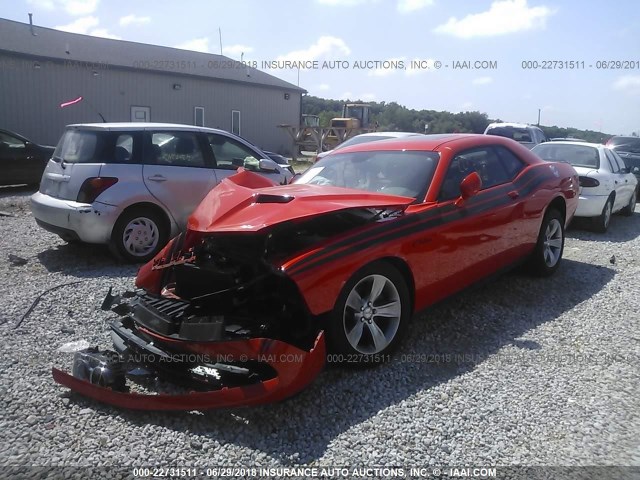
(84, 146)
(576, 155)
(514, 133)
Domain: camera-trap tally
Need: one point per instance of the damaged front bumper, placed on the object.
(211, 362)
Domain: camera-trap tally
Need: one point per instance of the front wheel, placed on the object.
(370, 317)
(138, 235)
(546, 257)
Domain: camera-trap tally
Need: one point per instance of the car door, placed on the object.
(478, 236)
(622, 185)
(229, 154)
(177, 171)
(15, 162)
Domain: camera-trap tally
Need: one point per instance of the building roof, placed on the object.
(48, 43)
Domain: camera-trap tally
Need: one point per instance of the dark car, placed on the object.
(629, 149)
(21, 160)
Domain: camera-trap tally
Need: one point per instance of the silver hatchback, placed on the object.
(132, 186)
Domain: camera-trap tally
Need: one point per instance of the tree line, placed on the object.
(394, 117)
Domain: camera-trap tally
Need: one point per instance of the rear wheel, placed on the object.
(547, 255)
(631, 206)
(370, 317)
(138, 235)
(601, 223)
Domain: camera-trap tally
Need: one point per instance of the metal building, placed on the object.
(42, 68)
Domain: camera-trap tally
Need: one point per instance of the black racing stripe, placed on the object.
(411, 224)
(445, 217)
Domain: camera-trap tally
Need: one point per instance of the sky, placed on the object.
(575, 63)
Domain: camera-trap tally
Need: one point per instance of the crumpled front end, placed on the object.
(216, 326)
(217, 318)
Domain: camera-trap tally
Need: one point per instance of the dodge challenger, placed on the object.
(244, 306)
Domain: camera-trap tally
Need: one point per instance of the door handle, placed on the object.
(157, 178)
(513, 194)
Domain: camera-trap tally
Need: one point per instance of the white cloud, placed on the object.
(628, 83)
(79, 7)
(503, 17)
(85, 26)
(133, 20)
(408, 6)
(387, 69)
(482, 80)
(81, 25)
(368, 97)
(420, 65)
(466, 106)
(325, 47)
(323, 87)
(72, 7)
(102, 32)
(197, 45)
(346, 96)
(236, 50)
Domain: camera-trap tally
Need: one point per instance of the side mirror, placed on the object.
(267, 165)
(470, 186)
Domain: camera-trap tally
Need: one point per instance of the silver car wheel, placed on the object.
(140, 236)
(372, 314)
(552, 248)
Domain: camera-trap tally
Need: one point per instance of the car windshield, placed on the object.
(515, 133)
(576, 155)
(404, 173)
(363, 139)
(625, 144)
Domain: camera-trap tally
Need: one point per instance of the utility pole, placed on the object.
(538, 117)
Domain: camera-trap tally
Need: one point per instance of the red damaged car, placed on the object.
(243, 307)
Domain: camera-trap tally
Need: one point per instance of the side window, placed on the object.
(230, 154)
(178, 149)
(617, 159)
(612, 161)
(484, 161)
(123, 152)
(10, 141)
(512, 164)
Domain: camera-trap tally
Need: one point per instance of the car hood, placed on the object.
(247, 202)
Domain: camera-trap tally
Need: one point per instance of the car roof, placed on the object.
(387, 134)
(143, 126)
(572, 143)
(511, 124)
(430, 142)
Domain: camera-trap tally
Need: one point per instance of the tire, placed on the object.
(138, 235)
(546, 257)
(601, 223)
(631, 206)
(356, 332)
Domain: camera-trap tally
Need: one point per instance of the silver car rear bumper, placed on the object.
(92, 223)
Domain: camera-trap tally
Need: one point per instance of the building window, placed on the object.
(235, 122)
(140, 114)
(198, 116)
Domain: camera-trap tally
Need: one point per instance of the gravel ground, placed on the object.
(520, 371)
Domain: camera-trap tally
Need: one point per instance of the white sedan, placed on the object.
(606, 185)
